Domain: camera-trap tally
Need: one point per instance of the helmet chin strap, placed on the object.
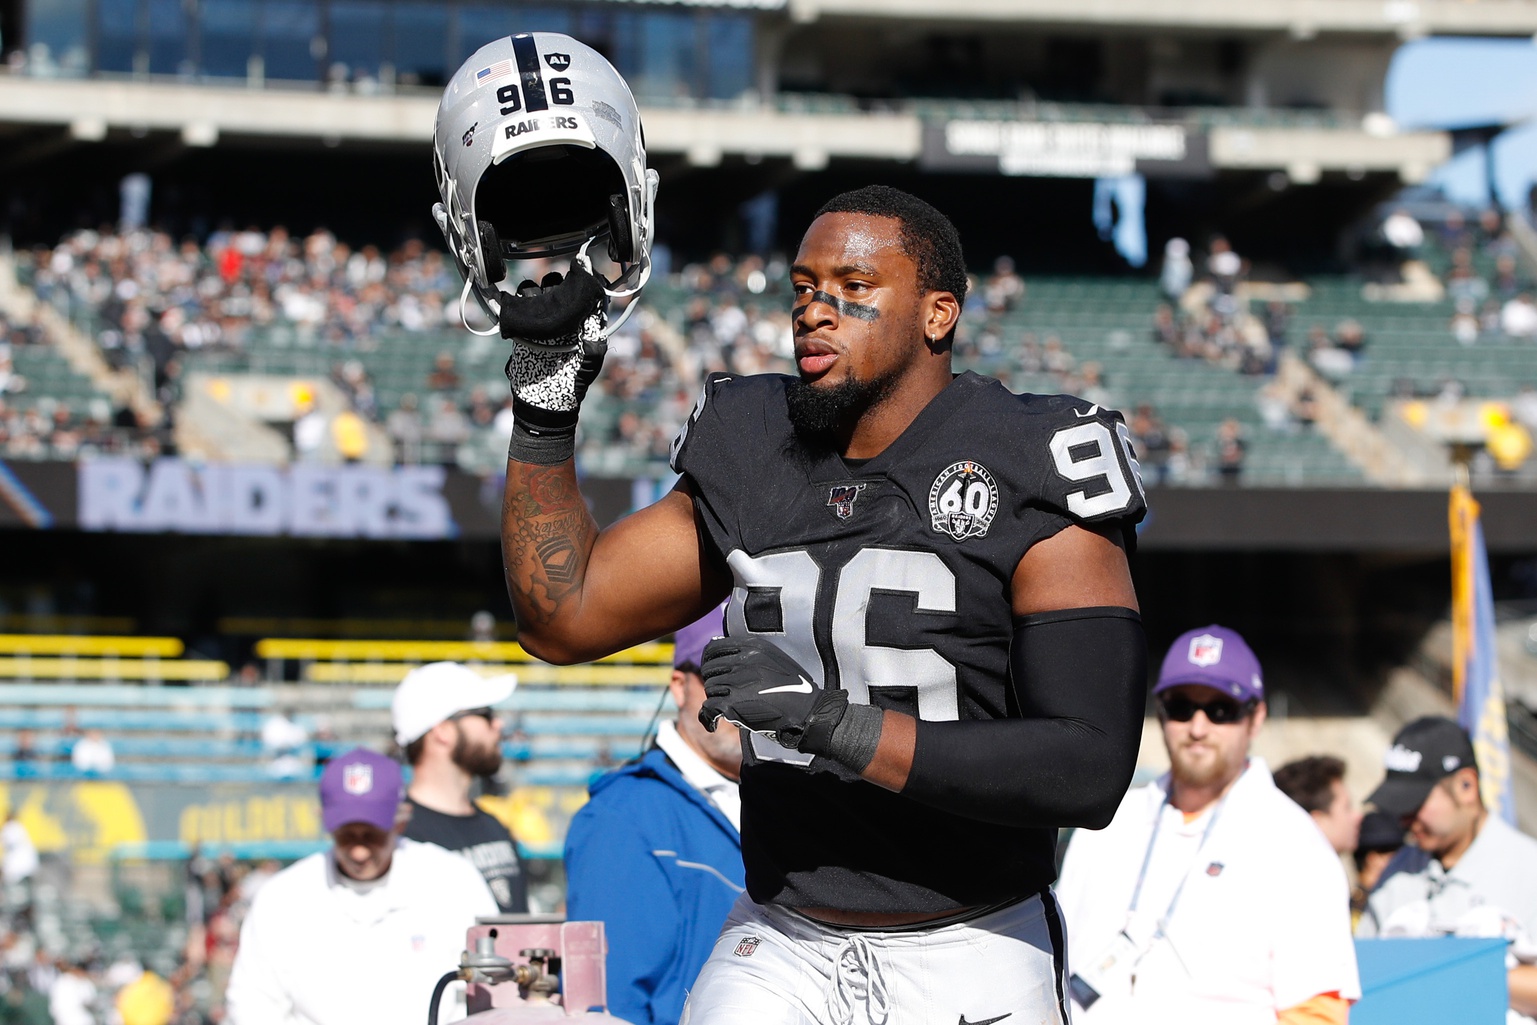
(464, 296)
(613, 293)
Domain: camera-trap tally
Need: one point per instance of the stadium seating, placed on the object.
(1108, 321)
(565, 722)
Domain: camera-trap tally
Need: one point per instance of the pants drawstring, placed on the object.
(857, 976)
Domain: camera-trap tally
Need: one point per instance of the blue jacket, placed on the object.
(660, 866)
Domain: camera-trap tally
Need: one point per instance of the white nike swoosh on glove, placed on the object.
(804, 687)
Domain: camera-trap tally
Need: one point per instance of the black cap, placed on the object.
(1379, 832)
(1423, 753)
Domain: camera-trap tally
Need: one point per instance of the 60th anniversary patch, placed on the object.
(963, 500)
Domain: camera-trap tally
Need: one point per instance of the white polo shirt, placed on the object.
(1261, 922)
(319, 949)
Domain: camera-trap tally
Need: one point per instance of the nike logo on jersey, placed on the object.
(986, 1021)
(804, 687)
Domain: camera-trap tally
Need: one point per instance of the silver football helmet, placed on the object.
(538, 150)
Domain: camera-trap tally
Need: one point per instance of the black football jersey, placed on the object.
(892, 579)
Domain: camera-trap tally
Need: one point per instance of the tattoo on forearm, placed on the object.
(546, 535)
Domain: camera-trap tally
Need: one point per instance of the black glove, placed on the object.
(750, 682)
(558, 348)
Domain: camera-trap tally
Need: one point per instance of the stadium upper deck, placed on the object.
(782, 88)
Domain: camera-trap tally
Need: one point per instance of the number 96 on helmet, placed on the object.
(538, 151)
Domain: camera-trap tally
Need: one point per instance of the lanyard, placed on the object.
(1147, 859)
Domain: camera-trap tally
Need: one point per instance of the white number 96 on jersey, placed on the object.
(1097, 456)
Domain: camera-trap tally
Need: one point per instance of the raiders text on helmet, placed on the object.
(538, 151)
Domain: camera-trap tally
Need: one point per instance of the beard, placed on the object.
(477, 761)
(1201, 768)
(819, 414)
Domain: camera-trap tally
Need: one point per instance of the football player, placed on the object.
(932, 640)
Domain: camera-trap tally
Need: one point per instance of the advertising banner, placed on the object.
(178, 496)
(1064, 149)
(85, 820)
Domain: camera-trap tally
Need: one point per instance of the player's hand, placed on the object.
(556, 328)
(751, 683)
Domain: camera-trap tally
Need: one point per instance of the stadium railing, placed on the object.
(111, 658)
(387, 662)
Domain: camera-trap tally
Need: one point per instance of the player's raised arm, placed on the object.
(539, 152)
(579, 592)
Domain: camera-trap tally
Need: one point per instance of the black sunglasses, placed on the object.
(1219, 711)
(488, 714)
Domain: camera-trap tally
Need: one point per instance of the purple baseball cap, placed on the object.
(1216, 657)
(689, 642)
(361, 786)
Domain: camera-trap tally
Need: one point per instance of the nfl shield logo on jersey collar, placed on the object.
(840, 497)
(963, 500)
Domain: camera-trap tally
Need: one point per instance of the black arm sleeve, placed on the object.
(1080, 677)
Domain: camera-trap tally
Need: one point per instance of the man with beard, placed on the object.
(656, 855)
(446, 722)
(932, 641)
(1212, 897)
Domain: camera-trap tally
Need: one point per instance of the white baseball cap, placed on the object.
(431, 693)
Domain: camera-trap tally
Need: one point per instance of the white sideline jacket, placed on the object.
(1263, 922)
(316, 951)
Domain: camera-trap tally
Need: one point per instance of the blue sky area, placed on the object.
(1450, 83)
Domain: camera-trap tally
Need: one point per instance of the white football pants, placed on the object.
(772, 966)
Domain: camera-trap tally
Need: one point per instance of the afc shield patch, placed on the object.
(358, 779)
(1205, 650)
(747, 946)
(841, 498)
(963, 500)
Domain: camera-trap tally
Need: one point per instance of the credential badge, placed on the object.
(358, 779)
(841, 498)
(1205, 650)
(963, 500)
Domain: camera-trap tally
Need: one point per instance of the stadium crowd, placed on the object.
(157, 304)
(35, 424)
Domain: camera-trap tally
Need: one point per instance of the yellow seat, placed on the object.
(319, 649)
(27, 668)
(590, 674)
(89, 644)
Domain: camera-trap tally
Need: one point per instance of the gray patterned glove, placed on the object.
(558, 347)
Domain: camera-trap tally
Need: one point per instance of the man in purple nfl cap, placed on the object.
(396, 908)
(656, 854)
(1211, 888)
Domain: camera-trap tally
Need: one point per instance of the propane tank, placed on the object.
(535, 968)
